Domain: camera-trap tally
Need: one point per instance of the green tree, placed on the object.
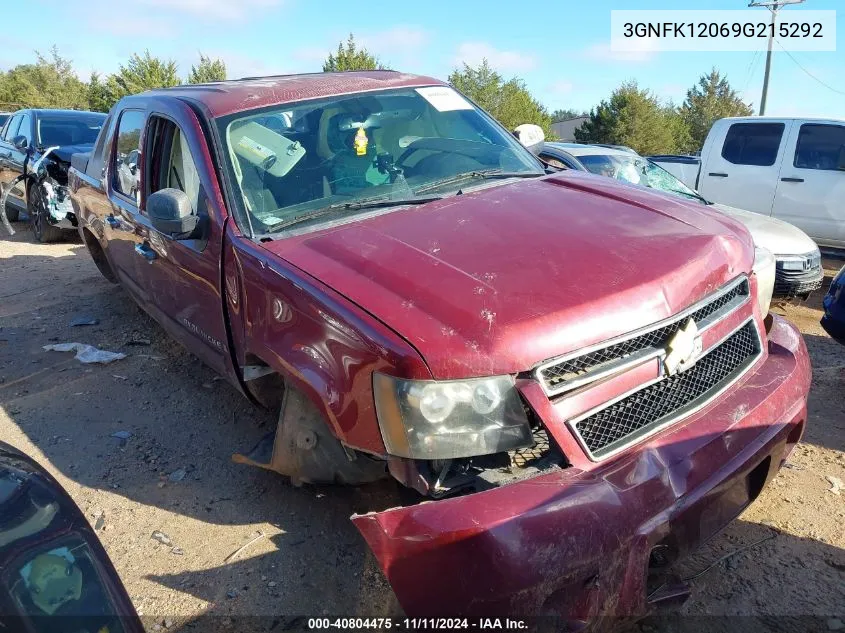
(99, 99)
(509, 101)
(632, 117)
(566, 114)
(350, 57)
(207, 71)
(48, 83)
(710, 99)
(142, 73)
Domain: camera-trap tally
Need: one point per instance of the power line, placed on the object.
(811, 75)
(749, 72)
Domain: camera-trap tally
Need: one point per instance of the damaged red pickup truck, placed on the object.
(577, 376)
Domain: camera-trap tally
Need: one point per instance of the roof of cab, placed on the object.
(237, 95)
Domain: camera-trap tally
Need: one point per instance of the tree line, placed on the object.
(51, 82)
(631, 116)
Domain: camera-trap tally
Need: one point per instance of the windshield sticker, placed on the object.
(444, 99)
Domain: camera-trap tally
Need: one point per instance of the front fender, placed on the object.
(316, 339)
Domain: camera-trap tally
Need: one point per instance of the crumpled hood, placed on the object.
(497, 280)
(782, 238)
(66, 151)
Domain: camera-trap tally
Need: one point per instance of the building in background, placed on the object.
(565, 130)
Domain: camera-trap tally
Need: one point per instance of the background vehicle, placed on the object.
(4, 116)
(421, 300)
(833, 320)
(790, 169)
(54, 573)
(797, 258)
(24, 139)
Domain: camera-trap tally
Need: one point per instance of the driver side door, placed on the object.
(181, 275)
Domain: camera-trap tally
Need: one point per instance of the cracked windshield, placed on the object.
(291, 164)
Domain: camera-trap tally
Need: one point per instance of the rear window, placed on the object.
(753, 143)
(821, 147)
(69, 129)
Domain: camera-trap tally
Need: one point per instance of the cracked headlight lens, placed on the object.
(433, 419)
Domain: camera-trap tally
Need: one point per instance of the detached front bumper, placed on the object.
(577, 543)
(59, 208)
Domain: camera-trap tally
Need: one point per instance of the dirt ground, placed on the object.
(185, 422)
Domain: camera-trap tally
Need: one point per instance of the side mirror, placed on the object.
(52, 561)
(531, 136)
(20, 142)
(171, 213)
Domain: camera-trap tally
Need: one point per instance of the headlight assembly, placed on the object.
(764, 270)
(432, 419)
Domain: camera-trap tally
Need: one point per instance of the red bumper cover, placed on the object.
(577, 543)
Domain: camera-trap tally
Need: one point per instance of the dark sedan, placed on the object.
(39, 187)
(833, 320)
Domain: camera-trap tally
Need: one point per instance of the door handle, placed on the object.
(146, 252)
(718, 174)
(113, 222)
(792, 180)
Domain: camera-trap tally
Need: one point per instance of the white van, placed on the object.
(791, 169)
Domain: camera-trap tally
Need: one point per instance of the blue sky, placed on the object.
(561, 49)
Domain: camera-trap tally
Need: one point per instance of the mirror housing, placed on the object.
(20, 142)
(171, 213)
(531, 136)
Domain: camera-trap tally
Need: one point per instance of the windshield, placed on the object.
(292, 160)
(69, 129)
(637, 170)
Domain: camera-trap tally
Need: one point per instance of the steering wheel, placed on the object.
(469, 149)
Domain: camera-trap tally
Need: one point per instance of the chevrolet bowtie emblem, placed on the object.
(683, 349)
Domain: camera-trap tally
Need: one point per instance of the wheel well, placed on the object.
(98, 255)
(267, 390)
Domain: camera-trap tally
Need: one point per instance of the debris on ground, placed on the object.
(243, 547)
(835, 484)
(835, 624)
(83, 320)
(161, 537)
(178, 551)
(86, 354)
(232, 594)
(139, 342)
(122, 435)
(177, 475)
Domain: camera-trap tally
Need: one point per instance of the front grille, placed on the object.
(649, 409)
(791, 283)
(554, 376)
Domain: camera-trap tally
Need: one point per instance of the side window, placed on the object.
(126, 162)
(12, 128)
(172, 164)
(820, 147)
(753, 143)
(26, 128)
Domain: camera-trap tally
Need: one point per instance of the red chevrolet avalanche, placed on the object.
(577, 377)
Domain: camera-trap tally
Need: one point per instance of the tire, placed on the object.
(12, 213)
(37, 210)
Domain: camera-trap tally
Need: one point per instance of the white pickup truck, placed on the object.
(791, 169)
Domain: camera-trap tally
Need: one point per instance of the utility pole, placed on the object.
(774, 6)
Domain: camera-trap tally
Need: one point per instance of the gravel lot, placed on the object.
(312, 561)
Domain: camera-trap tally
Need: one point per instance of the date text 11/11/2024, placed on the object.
(418, 624)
